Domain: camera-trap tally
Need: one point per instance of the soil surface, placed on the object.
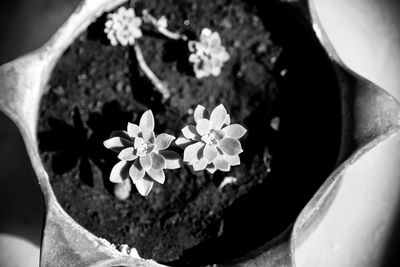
(276, 69)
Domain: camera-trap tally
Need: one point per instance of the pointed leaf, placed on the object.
(116, 144)
(232, 160)
(146, 162)
(200, 164)
(122, 134)
(149, 137)
(227, 119)
(221, 164)
(172, 159)
(133, 130)
(230, 146)
(200, 113)
(163, 141)
(136, 172)
(120, 172)
(203, 126)
(150, 148)
(218, 117)
(193, 152)
(218, 134)
(182, 142)
(144, 186)
(146, 123)
(158, 161)
(210, 153)
(190, 132)
(127, 154)
(211, 168)
(157, 175)
(235, 131)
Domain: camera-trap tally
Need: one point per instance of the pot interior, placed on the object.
(277, 70)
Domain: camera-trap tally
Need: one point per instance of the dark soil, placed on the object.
(277, 69)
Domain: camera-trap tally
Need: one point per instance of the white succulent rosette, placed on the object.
(123, 27)
(212, 143)
(143, 156)
(208, 55)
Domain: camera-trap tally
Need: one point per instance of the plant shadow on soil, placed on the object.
(306, 150)
(79, 146)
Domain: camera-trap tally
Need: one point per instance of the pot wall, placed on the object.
(361, 226)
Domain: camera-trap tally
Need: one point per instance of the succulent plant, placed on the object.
(212, 143)
(143, 156)
(208, 55)
(123, 27)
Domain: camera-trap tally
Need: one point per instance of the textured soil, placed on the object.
(277, 69)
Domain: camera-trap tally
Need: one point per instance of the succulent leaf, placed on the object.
(218, 134)
(138, 142)
(227, 120)
(157, 175)
(203, 126)
(116, 144)
(218, 117)
(122, 134)
(163, 141)
(183, 142)
(222, 164)
(136, 172)
(133, 130)
(232, 160)
(230, 146)
(211, 168)
(120, 172)
(193, 152)
(146, 123)
(235, 131)
(158, 161)
(200, 113)
(144, 186)
(190, 132)
(127, 154)
(146, 162)
(200, 164)
(172, 159)
(150, 137)
(210, 153)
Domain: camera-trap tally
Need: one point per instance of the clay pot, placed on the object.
(320, 235)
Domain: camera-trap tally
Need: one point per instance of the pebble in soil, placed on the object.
(277, 69)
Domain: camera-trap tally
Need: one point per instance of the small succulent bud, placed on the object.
(208, 54)
(123, 27)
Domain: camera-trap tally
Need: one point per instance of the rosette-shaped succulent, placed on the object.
(212, 143)
(208, 55)
(123, 27)
(143, 155)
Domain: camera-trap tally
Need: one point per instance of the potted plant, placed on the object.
(86, 123)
